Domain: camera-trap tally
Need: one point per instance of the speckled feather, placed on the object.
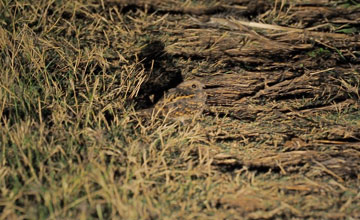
(185, 101)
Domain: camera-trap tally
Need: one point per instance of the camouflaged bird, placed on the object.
(185, 101)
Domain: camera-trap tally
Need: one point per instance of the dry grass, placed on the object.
(73, 147)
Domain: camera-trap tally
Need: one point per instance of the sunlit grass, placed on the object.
(73, 147)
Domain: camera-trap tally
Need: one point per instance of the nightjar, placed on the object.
(185, 101)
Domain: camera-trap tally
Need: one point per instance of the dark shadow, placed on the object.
(163, 74)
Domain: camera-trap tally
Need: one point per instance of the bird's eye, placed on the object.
(193, 86)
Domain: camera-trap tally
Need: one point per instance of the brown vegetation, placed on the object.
(279, 138)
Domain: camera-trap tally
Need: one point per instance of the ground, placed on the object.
(279, 137)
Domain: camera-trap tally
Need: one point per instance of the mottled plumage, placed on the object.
(182, 102)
